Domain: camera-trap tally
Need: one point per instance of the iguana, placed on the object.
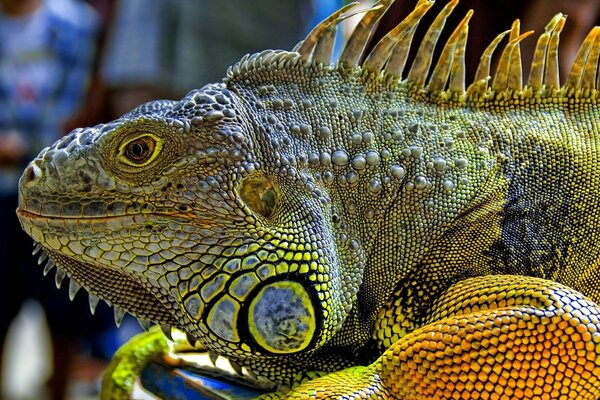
(350, 229)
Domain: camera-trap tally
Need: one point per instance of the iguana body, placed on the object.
(304, 218)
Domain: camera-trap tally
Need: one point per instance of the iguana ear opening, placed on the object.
(260, 195)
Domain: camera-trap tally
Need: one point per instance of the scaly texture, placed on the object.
(352, 229)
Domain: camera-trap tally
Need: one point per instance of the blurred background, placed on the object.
(71, 63)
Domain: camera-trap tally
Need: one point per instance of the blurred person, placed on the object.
(46, 52)
(165, 48)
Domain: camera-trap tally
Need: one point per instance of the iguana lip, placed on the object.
(22, 213)
(33, 215)
(26, 216)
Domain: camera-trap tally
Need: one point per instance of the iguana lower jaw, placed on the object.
(63, 250)
(268, 307)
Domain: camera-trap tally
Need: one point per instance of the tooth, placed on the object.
(37, 249)
(42, 258)
(212, 356)
(93, 299)
(166, 330)
(73, 288)
(118, 316)
(59, 277)
(49, 265)
(144, 323)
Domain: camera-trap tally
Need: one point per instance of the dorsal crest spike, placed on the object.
(446, 81)
(588, 79)
(382, 51)
(353, 50)
(502, 76)
(581, 60)
(322, 52)
(306, 46)
(538, 64)
(458, 71)
(420, 68)
(551, 72)
(323, 49)
(397, 61)
(515, 72)
(485, 61)
(451, 63)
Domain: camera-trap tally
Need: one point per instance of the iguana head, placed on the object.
(177, 214)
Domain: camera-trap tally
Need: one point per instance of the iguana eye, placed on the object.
(260, 195)
(141, 150)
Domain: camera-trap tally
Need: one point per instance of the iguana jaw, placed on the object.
(143, 288)
(117, 288)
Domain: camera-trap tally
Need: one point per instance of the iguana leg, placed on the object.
(128, 362)
(492, 337)
(131, 358)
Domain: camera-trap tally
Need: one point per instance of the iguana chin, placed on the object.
(351, 229)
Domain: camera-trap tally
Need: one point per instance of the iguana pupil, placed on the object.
(140, 149)
(137, 150)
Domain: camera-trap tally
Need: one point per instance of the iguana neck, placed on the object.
(394, 168)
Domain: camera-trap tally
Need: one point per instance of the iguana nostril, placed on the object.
(31, 174)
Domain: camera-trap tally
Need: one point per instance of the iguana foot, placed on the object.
(128, 362)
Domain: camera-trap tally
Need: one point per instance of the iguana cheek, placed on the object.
(281, 318)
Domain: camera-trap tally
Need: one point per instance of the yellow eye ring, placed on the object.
(141, 150)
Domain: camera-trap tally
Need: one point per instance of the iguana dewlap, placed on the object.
(352, 229)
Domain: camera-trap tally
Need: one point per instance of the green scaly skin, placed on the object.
(339, 231)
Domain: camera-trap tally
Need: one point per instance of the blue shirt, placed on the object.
(46, 61)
